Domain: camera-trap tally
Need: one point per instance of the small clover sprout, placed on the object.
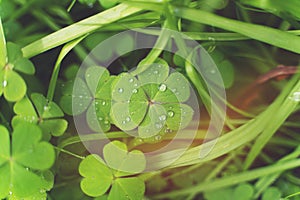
(152, 102)
(113, 172)
(24, 161)
(42, 112)
(12, 85)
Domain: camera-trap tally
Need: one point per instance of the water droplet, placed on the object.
(27, 169)
(162, 117)
(10, 192)
(155, 72)
(46, 108)
(174, 90)
(105, 122)
(128, 119)
(168, 130)
(130, 80)
(170, 113)
(80, 96)
(120, 90)
(211, 38)
(97, 103)
(134, 91)
(213, 71)
(135, 85)
(162, 87)
(4, 83)
(295, 97)
(158, 137)
(158, 125)
(124, 122)
(103, 103)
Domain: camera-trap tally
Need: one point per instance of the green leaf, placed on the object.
(95, 76)
(118, 158)
(178, 115)
(13, 52)
(97, 176)
(46, 109)
(3, 53)
(28, 154)
(55, 127)
(4, 146)
(81, 97)
(28, 150)
(243, 192)
(271, 193)
(127, 188)
(155, 73)
(179, 85)
(24, 65)
(108, 3)
(154, 122)
(224, 194)
(14, 87)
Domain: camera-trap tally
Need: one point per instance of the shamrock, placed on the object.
(152, 101)
(12, 85)
(93, 95)
(42, 112)
(119, 163)
(24, 160)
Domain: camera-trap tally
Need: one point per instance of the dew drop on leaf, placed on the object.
(170, 113)
(124, 122)
(128, 119)
(105, 122)
(295, 97)
(213, 71)
(120, 90)
(158, 137)
(46, 108)
(134, 91)
(103, 103)
(158, 125)
(4, 84)
(130, 80)
(162, 87)
(155, 72)
(162, 117)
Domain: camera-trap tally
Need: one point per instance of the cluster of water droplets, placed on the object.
(126, 120)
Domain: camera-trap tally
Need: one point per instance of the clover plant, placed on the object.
(113, 173)
(42, 112)
(24, 161)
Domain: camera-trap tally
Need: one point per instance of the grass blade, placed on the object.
(3, 52)
(79, 29)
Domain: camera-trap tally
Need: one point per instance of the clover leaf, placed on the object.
(93, 95)
(12, 85)
(153, 101)
(42, 112)
(23, 160)
(118, 163)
